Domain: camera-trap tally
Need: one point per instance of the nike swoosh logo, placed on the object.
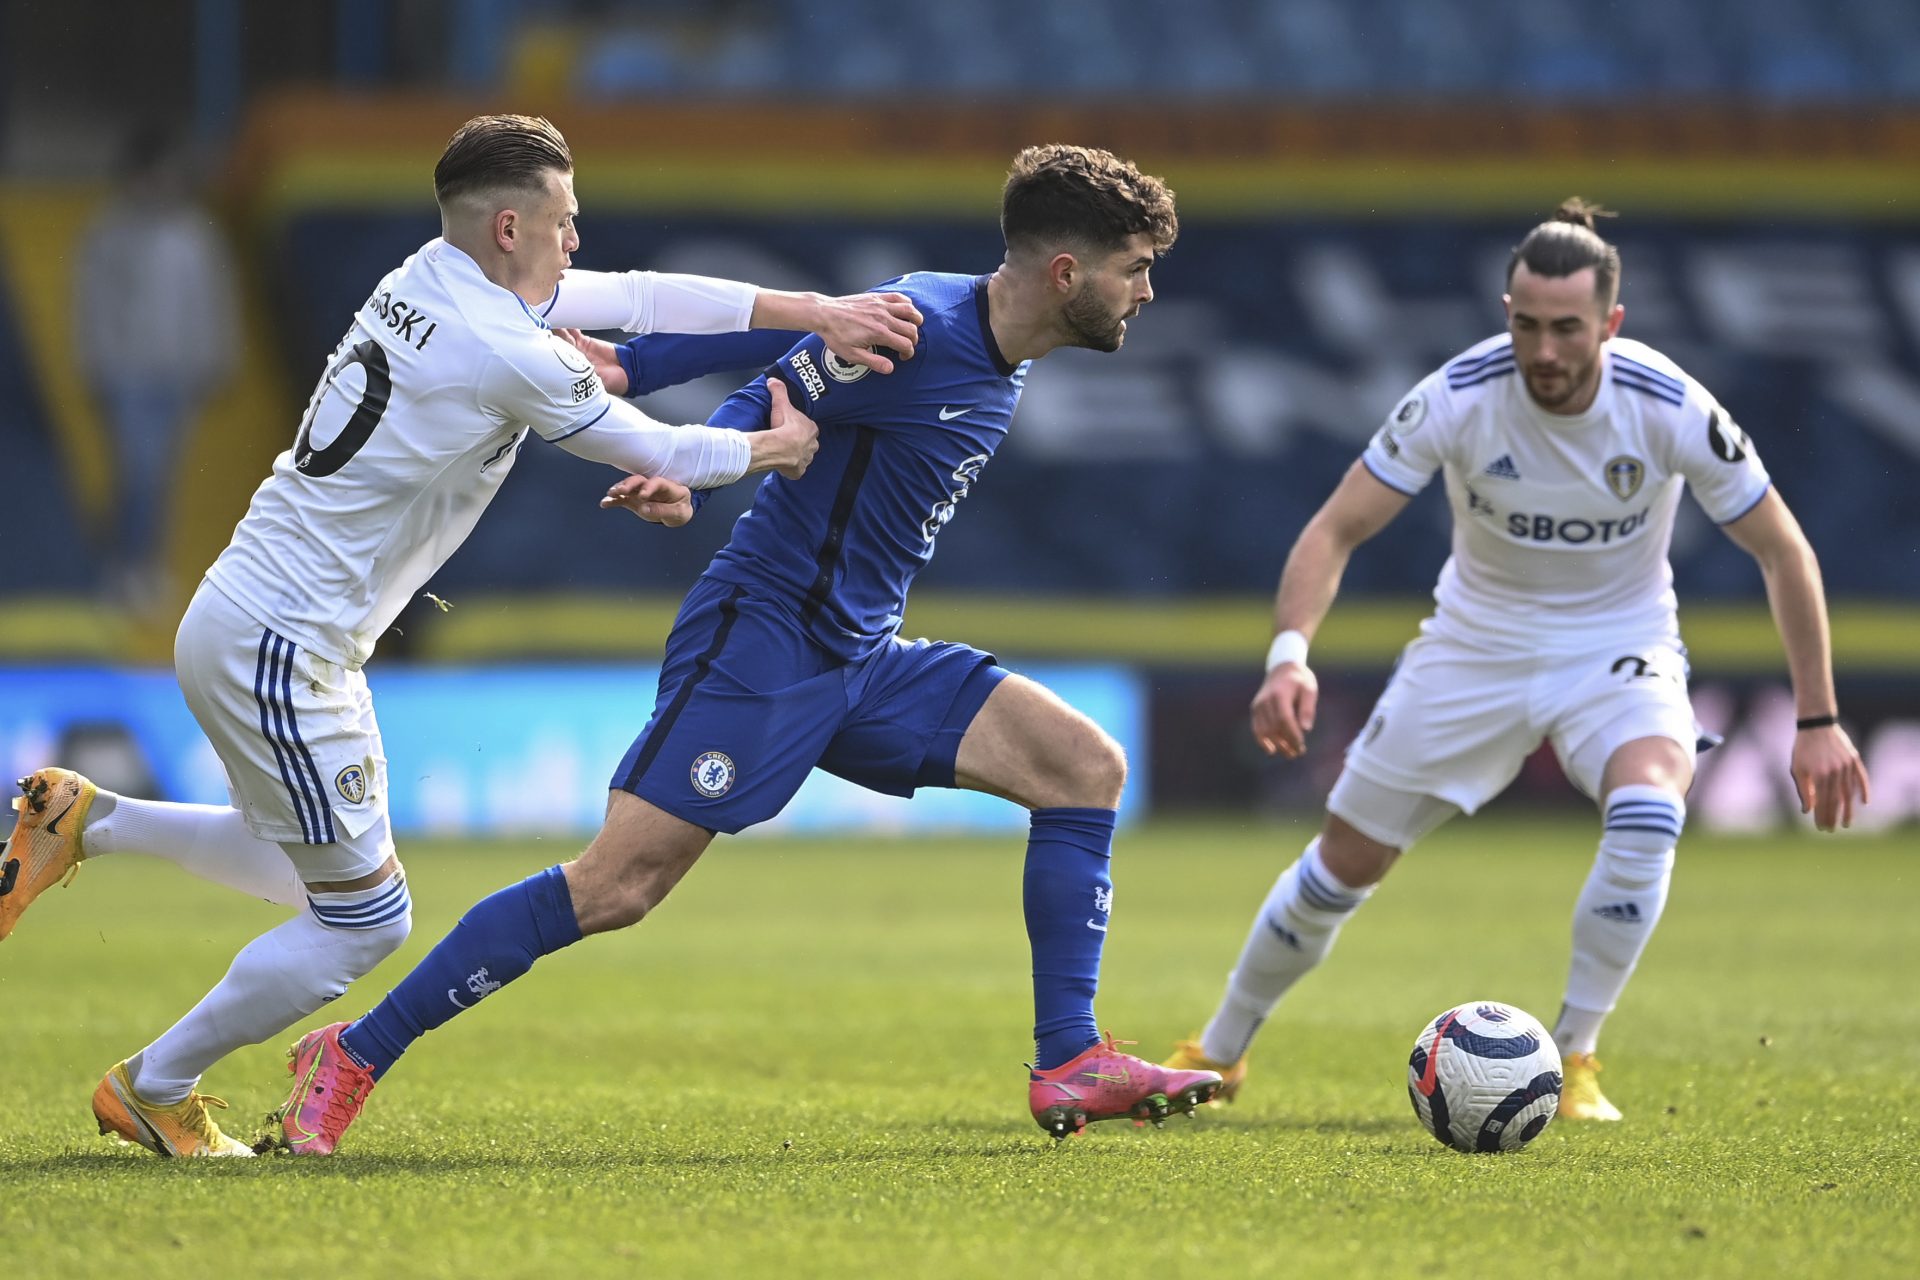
(948, 415)
(1091, 925)
(1430, 1078)
(456, 1000)
(1122, 1078)
(160, 1144)
(53, 828)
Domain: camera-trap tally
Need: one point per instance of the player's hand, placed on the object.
(1828, 773)
(602, 354)
(1283, 710)
(859, 327)
(790, 440)
(654, 499)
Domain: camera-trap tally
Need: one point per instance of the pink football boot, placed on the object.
(1106, 1084)
(329, 1088)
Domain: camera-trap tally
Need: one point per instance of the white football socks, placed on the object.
(211, 841)
(277, 979)
(1293, 932)
(1617, 909)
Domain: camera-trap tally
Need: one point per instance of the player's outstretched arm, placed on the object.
(649, 302)
(857, 328)
(787, 445)
(1283, 709)
(696, 456)
(652, 361)
(1827, 770)
(653, 302)
(790, 440)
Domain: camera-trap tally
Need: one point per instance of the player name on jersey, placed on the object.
(401, 317)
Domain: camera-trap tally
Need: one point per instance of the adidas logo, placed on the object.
(1624, 912)
(1285, 935)
(1502, 468)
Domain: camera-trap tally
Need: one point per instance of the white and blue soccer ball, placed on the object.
(1484, 1076)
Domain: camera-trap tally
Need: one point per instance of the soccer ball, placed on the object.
(1484, 1076)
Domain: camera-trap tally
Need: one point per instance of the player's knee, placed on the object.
(1355, 859)
(358, 950)
(615, 892)
(620, 906)
(365, 932)
(1096, 772)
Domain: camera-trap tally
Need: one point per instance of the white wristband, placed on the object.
(1288, 646)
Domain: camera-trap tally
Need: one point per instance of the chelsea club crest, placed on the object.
(712, 774)
(1624, 477)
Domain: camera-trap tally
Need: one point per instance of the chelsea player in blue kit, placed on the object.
(786, 656)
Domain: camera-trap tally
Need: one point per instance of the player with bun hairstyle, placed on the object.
(1564, 450)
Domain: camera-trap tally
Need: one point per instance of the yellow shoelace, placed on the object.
(199, 1121)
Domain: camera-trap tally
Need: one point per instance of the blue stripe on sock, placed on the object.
(393, 912)
(395, 888)
(1643, 809)
(389, 906)
(1314, 898)
(1319, 893)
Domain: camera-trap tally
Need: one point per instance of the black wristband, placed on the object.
(1816, 722)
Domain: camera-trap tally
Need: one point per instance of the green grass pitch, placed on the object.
(809, 1064)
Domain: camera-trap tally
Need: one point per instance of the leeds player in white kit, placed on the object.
(415, 423)
(1564, 450)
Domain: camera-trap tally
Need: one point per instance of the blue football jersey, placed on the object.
(898, 452)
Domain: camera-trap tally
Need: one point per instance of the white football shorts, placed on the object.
(297, 736)
(1456, 722)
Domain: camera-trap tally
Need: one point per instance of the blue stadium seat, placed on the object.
(1782, 50)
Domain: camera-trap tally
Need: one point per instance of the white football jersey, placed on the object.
(415, 423)
(1561, 524)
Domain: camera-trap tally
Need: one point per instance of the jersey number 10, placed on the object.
(371, 357)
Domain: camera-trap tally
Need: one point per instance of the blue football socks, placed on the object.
(494, 943)
(1068, 893)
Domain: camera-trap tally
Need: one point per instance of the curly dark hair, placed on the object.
(500, 153)
(1061, 194)
(1569, 242)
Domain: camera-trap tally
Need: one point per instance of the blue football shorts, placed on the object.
(749, 704)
